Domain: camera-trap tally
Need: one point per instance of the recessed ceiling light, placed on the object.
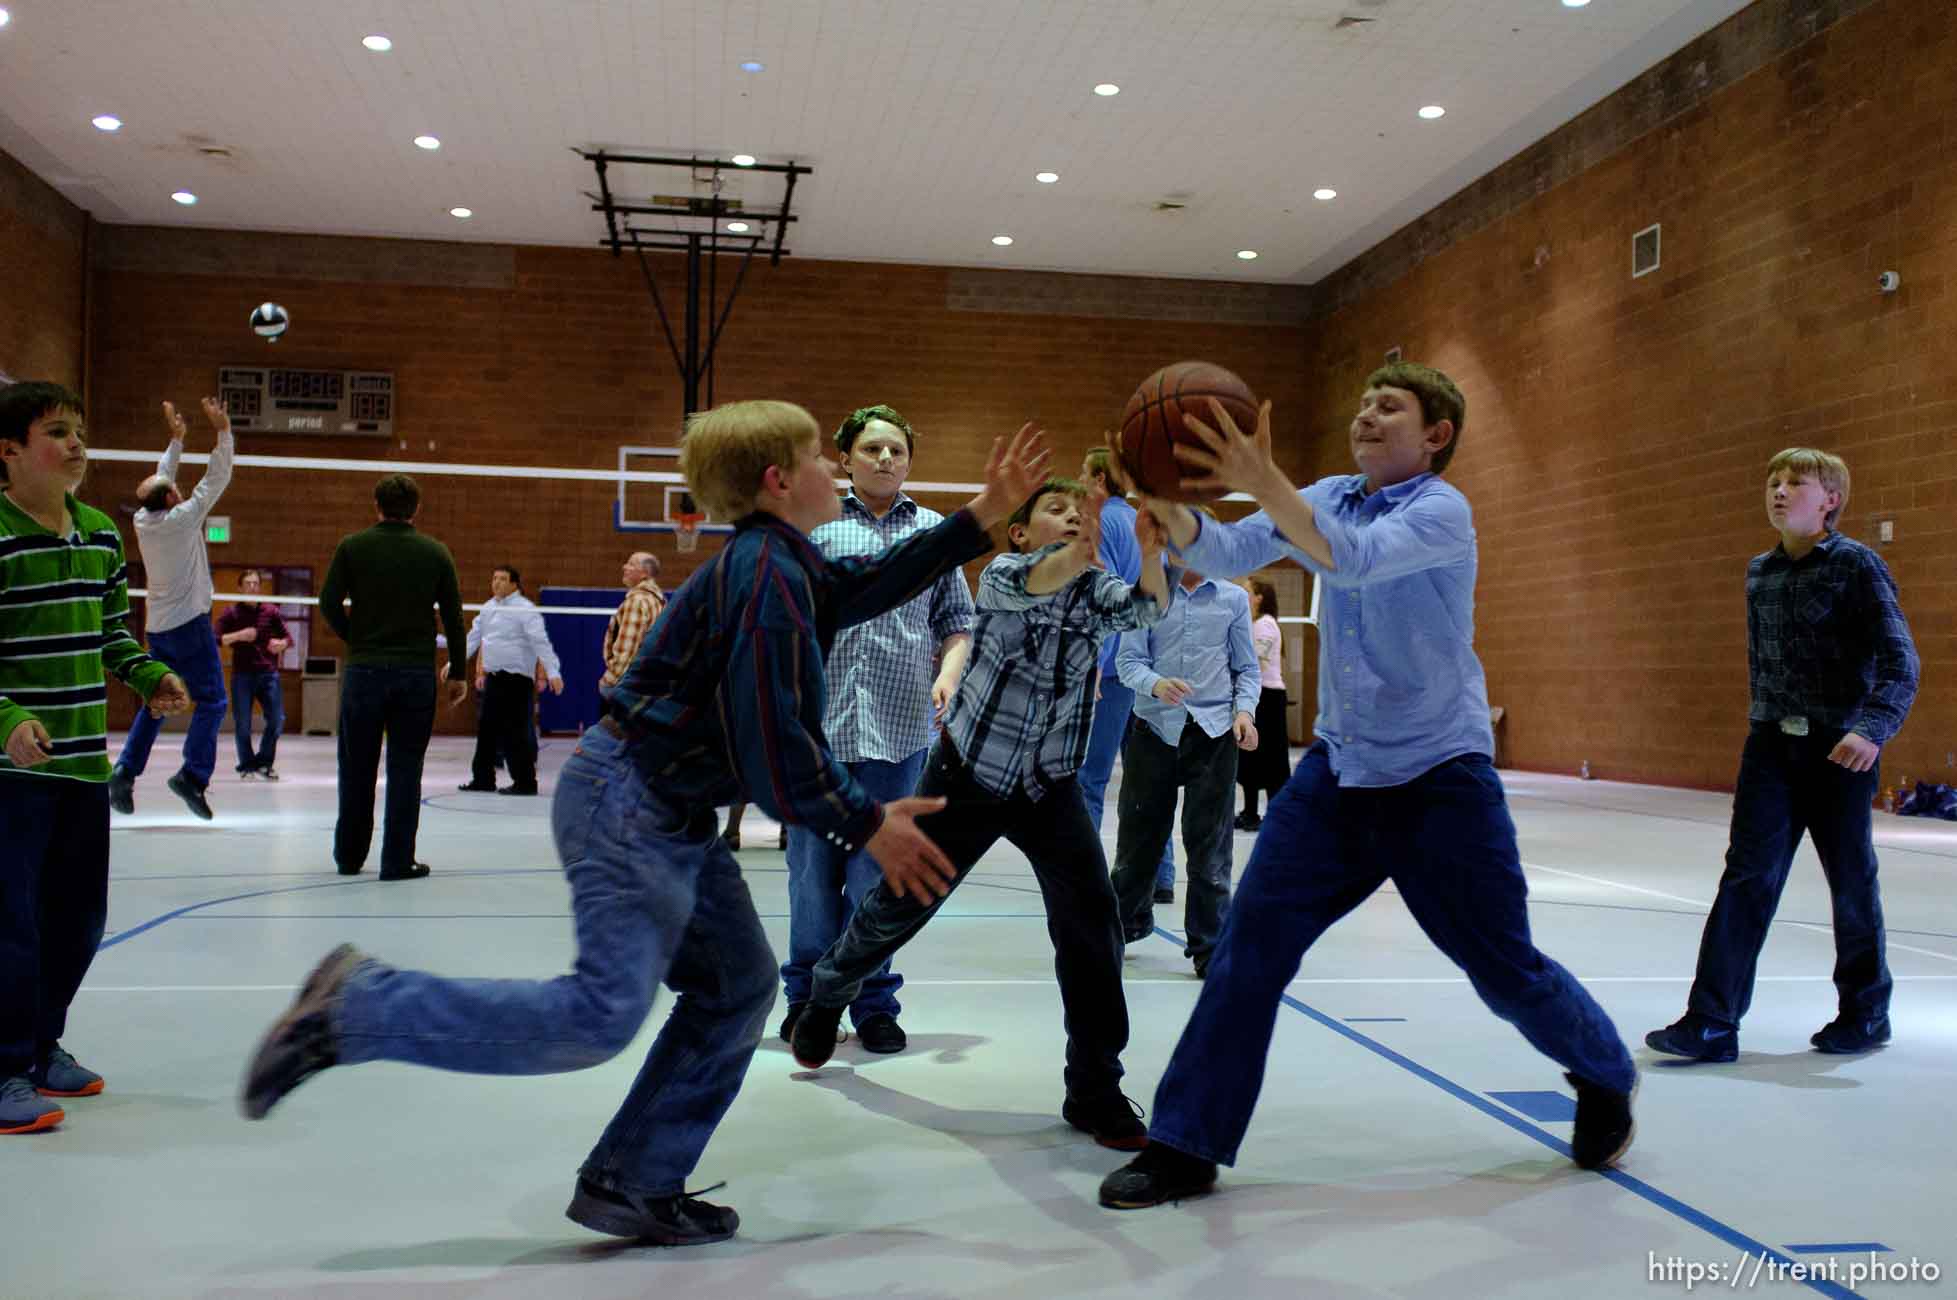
(1046, 178)
(184, 197)
(462, 213)
(1433, 111)
(1325, 195)
(377, 43)
(106, 122)
(5, 17)
(1002, 240)
(1247, 254)
(738, 227)
(1107, 88)
(427, 142)
(744, 160)
(753, 65)
(1575, 4)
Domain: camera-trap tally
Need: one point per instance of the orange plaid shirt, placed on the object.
(628, 626)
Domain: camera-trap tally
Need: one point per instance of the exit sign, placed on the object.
(217, 528)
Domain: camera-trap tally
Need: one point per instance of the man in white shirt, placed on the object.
(510, 635)
(177, 575)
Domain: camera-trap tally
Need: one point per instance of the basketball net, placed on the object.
(686, 538)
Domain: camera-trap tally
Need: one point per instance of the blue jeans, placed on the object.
(825, 885)
(264, 689)
(377, 701)
(1446, 842)
(54, 901)
(190, 650)
(1787, 786)
(656, 898)
(1111, 713)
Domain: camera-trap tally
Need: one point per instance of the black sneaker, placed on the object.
(1249, 821)
(1165, 895)
(1844, 1037)
(122, 791)
(1693, 1036)
(478, 787)
(413, 871)
(300, 1043)
(1136, 933)
(1158, 1174)
(882, 1034)
(1114, 1120)
(1603, 1124)
(795, 1010)
(518, 789)
(192, 797)
(678, 1220)
(813, 1040)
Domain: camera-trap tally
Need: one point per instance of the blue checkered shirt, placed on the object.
(880, 672)
(1021, 716)
(1827, 641)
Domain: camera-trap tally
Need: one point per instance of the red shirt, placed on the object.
(253, 656)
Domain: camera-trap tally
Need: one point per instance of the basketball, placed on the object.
(1152, 425)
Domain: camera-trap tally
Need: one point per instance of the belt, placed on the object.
(1794, 726)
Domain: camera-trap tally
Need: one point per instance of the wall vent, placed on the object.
(1644, 251)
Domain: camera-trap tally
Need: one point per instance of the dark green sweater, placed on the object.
(396, 577)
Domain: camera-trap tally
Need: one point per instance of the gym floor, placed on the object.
(1407, 1142)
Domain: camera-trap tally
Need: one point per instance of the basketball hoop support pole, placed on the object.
(694, 361)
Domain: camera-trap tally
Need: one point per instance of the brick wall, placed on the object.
(1619, 429)
(545, 356)
(43, 238)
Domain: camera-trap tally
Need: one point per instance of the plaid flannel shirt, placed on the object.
(1021, 716)
(629, 623)
(1826, 640)
(880, 672)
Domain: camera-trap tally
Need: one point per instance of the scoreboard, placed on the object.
(277, 399)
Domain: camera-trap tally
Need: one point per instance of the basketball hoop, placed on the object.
(686, 534)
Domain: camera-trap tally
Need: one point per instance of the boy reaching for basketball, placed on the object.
(1399, 786)
(1009, 760)
(724, 701)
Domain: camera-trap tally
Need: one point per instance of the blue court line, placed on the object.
(1375, 1020)
(124, 935)
(1839, 1248)
(501, 916)
(1636, 1186)
(1513, 795)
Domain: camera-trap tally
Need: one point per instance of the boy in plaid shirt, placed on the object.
(1008, 761)
(1833, 672)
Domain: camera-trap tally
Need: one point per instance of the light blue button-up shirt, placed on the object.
(1400, 690)
(1203, 638)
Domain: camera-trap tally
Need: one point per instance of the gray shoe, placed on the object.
(64, 1076)
(23, 1110)
(192, 797)
(301, 1042)
(122, 791)
(678, 1220)
(268, 774)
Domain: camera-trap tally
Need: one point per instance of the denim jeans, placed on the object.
(656, 898)
(54, 901)
(377, 701)
(1152, 770)
(1787, 786)
(190, 650)
(1111, 714)
(1446, 842)
(825, 885)
(1072, 870)
(264, 689)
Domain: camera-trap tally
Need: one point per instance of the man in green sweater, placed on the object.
(64, 612)
(396, 577)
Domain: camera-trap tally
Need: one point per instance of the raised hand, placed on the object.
(1230, 460)
(913, 865)
(1014, 470)
(219, 418)
(174, 422)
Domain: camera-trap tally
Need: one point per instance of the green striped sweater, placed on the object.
(64, 614)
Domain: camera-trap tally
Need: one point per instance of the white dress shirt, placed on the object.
(510, 633)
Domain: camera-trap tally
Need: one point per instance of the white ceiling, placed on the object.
(923, 119)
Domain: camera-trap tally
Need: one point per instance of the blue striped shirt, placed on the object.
(1021, 716)
(1400, 690)
(880, 672)
(724, 700)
